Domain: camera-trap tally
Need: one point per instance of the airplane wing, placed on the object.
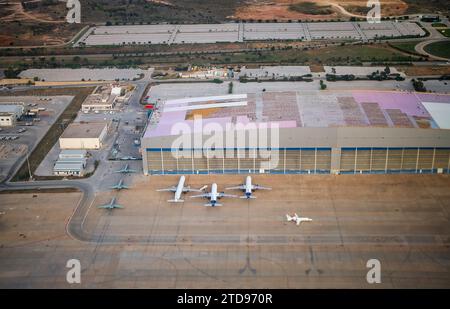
(241, 187)
(258, 187)
(206, 195)
(119, 187)
(220, 195)
(171, 189)
(117, 206)
(107, 206)
(191, 190)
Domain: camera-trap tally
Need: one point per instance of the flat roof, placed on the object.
(11, 108)
(100, 99)
(84, 130)
(64, 166)
(440, 113)
(305, 109)
(244, 32)
(73, 152)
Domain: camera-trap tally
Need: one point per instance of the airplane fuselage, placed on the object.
(213, 197)
(248, 186)
(180, 187)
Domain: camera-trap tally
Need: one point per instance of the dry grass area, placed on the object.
(8, 151)
(32, 217)
(35, 23)
(14, 81)
(424, 70)
(317, 68)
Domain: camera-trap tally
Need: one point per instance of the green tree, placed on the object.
(230, 88)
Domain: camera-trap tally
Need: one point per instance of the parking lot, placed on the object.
(18, 141)
(125, 122)
(60, 75)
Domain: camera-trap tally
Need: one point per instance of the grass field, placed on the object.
(445, 32)
(440, 49)
(408, 47)
(439, 25)
(328, 55)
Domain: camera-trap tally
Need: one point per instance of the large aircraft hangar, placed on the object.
(308, 132)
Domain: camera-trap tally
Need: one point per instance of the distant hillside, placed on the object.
(142, 11)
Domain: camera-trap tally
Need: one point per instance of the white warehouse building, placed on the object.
(84, 136)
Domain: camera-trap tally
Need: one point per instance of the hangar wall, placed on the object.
(312, 151)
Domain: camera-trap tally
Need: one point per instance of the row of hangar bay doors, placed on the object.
(299, 160)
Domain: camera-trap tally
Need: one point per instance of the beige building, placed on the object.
(9, 114)
(7, 120)
(99, 102)
(83, 136)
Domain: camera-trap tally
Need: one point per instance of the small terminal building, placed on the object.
(84, 135)
(9, 114)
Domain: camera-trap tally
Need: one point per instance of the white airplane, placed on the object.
(248, 188)
(213, 196)
(297, 219)
(125, 170)
(180, 188)
(111, 205)
(119, 186)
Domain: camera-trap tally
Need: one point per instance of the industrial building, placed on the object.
(102, 99)
(9, 114)
(318, 132)
(246, 32)
(73, 167)
(70, 163)
(72, 154)
(86, 135)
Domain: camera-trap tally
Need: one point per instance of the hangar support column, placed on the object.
(335, 160)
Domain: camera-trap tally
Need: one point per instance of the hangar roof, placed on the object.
(306, 109)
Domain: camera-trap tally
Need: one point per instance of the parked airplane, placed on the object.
(248, 188)
(213, 196)
(180, 188)
(119, 186)
(111, 205)
(295, 218)
(125, 170)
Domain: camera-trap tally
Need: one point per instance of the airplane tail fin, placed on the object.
(247, 197)
(175, 201)
(289, 218)
(211, 205)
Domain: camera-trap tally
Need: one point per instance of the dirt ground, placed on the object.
(34, 24)
(280, 9)
(402, 220)
(10, 151)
